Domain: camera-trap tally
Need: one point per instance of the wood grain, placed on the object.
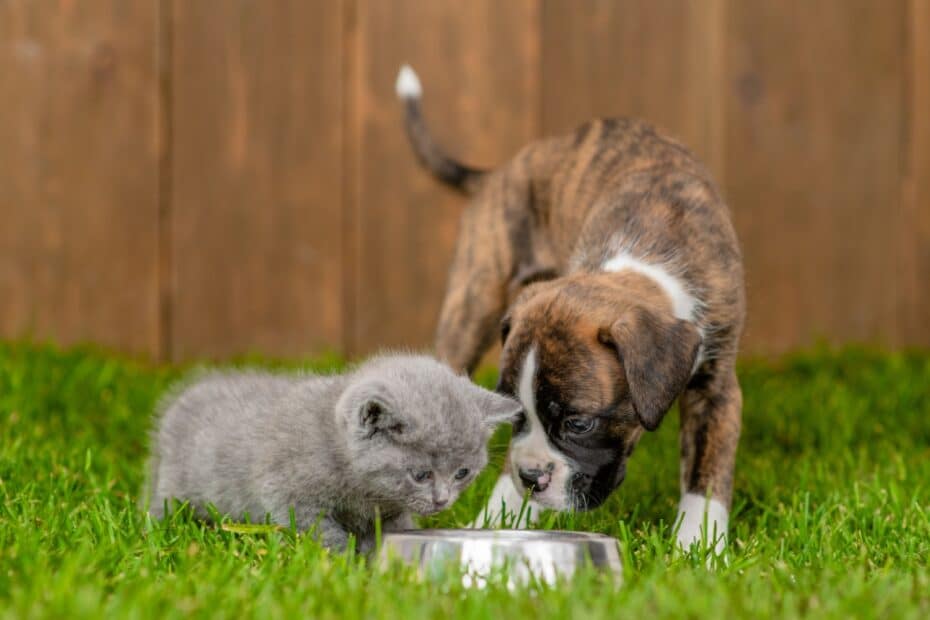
(659, 61)
(78, 176)
(478, 62)
(256, 177)
(813, 154)
(914, 232)
(193, 179)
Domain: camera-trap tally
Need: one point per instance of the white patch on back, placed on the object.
(692, 512)
(684, 305)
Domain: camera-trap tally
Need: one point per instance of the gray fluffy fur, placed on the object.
(336, 450)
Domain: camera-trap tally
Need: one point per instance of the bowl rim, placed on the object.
(499, 536)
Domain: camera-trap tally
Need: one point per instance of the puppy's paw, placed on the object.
(506, 508)
(702, 520)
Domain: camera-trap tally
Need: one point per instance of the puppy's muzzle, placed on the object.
(536, 480)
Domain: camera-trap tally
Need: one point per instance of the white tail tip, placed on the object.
(408, 84)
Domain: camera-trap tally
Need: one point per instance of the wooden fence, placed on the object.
(198, 179)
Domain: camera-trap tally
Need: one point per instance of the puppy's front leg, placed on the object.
(507, 506)
(711, 412)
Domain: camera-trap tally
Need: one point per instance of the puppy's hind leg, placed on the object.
(468, 323)
(711, 412)
(476, 295)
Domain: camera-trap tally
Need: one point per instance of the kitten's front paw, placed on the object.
(331, 535)
(399, 523)
(364, 545)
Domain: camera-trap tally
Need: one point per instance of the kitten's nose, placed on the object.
(535, 480)
(440, 498)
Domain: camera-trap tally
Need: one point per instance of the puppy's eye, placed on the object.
(422, 475)
(461, 474)
(519, 422)
(578, 425)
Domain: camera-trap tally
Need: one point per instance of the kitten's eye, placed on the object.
(578, 425)
(422, 475)
(461, 474)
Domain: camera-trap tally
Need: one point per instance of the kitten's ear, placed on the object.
(376, 416)
(499, 409)
(376, 411)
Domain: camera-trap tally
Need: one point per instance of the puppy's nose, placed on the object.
(536, 480)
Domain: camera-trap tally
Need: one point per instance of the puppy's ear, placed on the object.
(657, 355)
(541, 282)
(498, 409)
(528, 275)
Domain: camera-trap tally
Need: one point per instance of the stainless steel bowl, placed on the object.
(527, 554)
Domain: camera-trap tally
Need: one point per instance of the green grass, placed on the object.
(831, 513)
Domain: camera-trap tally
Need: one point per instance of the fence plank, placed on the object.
(257, 187)
(478, 62)
(813, 158)
(299, 219)
(78, 182)
(655, 60)
(914, 328)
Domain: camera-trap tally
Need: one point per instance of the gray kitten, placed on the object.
(398, 436)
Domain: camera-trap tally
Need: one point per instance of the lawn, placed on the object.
(831, 513)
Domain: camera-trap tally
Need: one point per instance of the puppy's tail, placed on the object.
(455, 174)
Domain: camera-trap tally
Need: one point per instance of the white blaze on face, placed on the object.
(531, 448)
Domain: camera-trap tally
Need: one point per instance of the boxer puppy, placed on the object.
(606, 262)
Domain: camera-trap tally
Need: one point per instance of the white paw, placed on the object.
(702, 520)
(507, 508)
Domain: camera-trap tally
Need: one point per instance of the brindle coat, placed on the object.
(528, 265)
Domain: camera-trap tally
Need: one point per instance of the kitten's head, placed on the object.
(416, 433)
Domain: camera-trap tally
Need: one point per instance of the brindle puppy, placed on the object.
(606, 261)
